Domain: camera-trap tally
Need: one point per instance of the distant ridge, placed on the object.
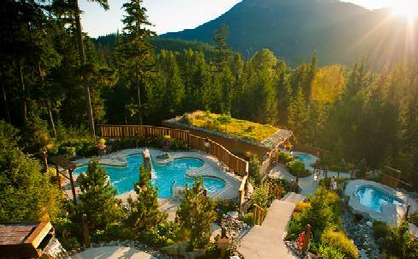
(294, 29)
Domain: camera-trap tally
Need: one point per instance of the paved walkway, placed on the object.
(112, 252)
(266, 241)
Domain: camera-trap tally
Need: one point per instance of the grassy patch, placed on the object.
(224, 123)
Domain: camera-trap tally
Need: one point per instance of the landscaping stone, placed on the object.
(360, 231)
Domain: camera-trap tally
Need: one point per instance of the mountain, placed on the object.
(294, 29)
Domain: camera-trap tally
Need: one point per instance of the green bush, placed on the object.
(255, 176)
(296, 226)
(80, 148)
(296, 167)
(284, 158)
(380, 229)
(248, 218)
(330, 252)
(400, 243)
(339, 241)
(224, 206)
(261, 196)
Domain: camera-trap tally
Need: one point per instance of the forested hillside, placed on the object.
(47, 83)
(294, 29)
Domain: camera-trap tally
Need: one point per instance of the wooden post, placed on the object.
(306, 238)
(86, 232)
(70, 172)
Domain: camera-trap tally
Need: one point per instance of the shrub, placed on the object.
(339, 241)
(224, 206)
(380, 229)
(284, 158)
(414, 218)
(330, 252)
(248, 218)
(302, 206)
(261, 196)
(296, 167)
(296, 226)
(187, 119)
(400, 243)
(255, 176)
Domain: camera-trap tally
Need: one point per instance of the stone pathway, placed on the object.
(266, 241)
(112, 252)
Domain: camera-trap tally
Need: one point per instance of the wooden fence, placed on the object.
(234, 163)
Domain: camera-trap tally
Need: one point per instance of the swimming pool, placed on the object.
(304, 157)
(374, 198)
(123, 178)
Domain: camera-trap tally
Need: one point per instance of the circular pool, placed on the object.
(163, 175)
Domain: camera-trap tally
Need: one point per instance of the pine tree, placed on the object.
(144, 213)
(98, 198)
(82, 56)
(138, 52)
(298, 115)
(196, 214)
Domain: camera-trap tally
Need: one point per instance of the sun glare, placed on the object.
(405, 8)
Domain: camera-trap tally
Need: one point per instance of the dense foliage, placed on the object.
(195, 215)
(21, 199)
(322, 213)
(355, 113)
(97, 198)
(144, 215)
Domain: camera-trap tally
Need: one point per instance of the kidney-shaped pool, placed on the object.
(123, 178)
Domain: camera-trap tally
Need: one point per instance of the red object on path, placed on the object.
(300, 240)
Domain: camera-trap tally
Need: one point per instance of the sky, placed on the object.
(170, 15)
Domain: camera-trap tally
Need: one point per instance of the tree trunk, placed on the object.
(138, 93)
(83, 62)
(5, 103)
(22, 86)
(51, 121)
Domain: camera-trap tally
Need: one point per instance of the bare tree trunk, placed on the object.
(83, 62)
(138, 94)
(22, 86)
(51, 121)
(5, 103)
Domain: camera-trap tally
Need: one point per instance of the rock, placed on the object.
(369, 223)
(363, 254)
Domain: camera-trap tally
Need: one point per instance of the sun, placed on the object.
(405, 8)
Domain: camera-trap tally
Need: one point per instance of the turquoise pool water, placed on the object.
(374, 198)
(123, 178)
(304, 157)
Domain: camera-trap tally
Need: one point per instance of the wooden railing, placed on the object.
(234, 163)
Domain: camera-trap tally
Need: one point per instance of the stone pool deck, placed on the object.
(211, 168)
(391, 214)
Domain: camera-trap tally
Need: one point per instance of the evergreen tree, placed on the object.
(97, 198)
(298, 116)
(196, 214)
(81, 52)
(138, 52)
(144, 214)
